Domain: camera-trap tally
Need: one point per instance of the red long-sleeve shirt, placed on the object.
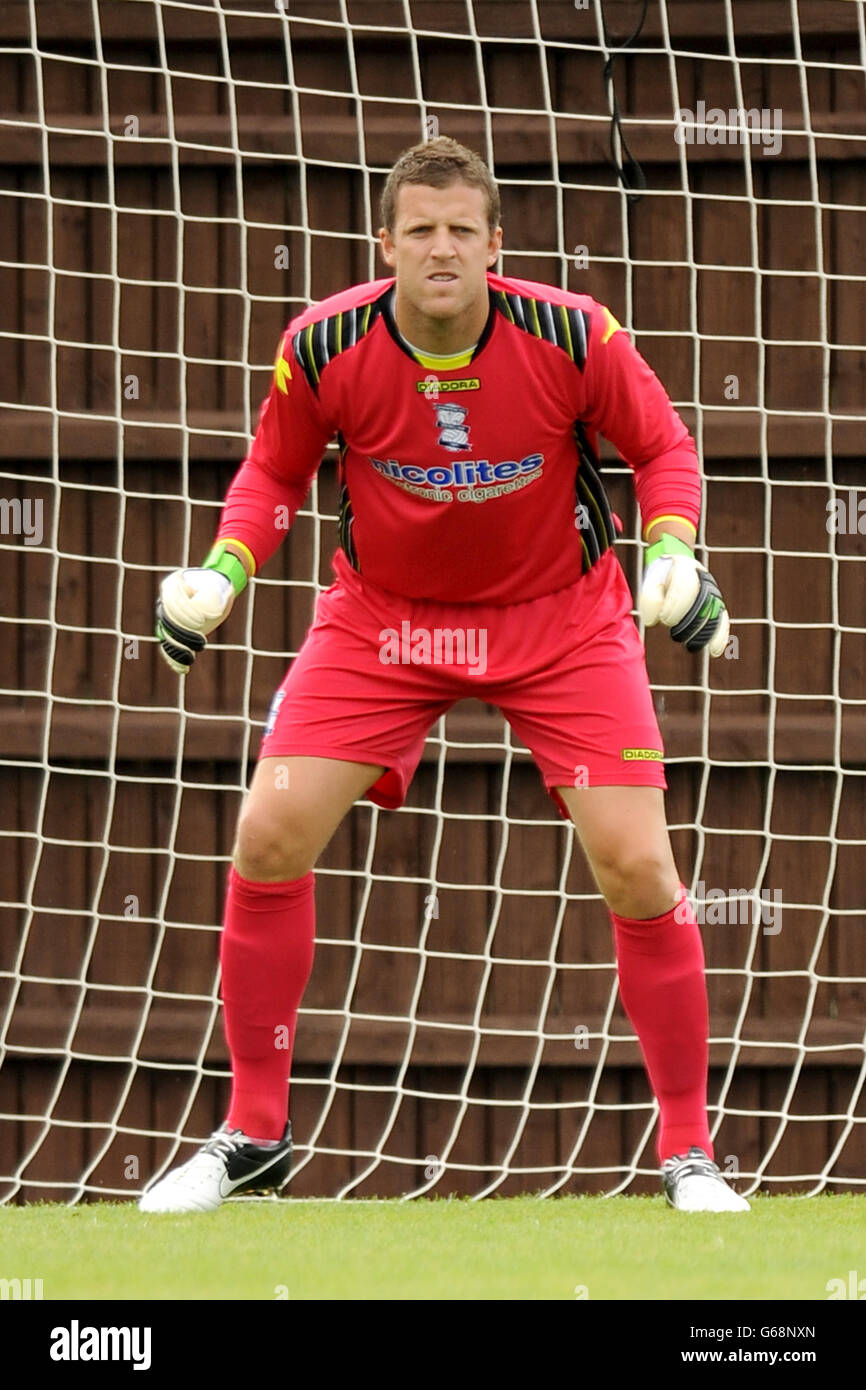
(471, 480)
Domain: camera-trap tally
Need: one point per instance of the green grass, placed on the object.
(519, 1248)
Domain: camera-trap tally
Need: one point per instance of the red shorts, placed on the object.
(567, 670)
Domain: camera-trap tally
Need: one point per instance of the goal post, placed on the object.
(179, 180)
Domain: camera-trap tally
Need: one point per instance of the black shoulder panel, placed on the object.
(320, 342)
(565, 327)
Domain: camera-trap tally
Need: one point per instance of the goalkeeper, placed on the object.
(467, 407)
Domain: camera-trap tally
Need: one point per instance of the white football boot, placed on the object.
(694, 1183)
(226, 1165)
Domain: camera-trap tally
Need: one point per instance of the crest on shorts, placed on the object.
(273, 711)
(451, 424)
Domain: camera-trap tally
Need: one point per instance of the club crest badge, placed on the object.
(451, 424)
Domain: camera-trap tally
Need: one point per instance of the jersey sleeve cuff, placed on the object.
(669, 517)
(228, 564)
(244, 549)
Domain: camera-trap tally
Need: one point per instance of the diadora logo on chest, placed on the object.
(432, 387)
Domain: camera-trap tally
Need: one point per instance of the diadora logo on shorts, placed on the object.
(464, 474)
(642, 755)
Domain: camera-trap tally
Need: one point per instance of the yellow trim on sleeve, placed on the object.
(613, 325)
(656, 519)
(282, 370)
(230, 540)
(282, 375)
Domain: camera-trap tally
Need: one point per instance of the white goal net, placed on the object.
(179, 180)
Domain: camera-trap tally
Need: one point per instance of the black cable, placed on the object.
(629, 172)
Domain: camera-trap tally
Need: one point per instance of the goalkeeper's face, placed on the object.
(440, 249)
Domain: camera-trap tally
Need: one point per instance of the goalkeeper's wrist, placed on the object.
(667, 545)
(221, 559)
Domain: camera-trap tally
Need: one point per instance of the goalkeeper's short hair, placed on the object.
(438, 163)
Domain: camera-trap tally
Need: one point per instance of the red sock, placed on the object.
(662, 986)
(266, 954)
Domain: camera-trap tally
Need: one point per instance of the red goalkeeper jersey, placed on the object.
(465, 479)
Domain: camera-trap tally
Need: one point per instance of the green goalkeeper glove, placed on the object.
(680, 592)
